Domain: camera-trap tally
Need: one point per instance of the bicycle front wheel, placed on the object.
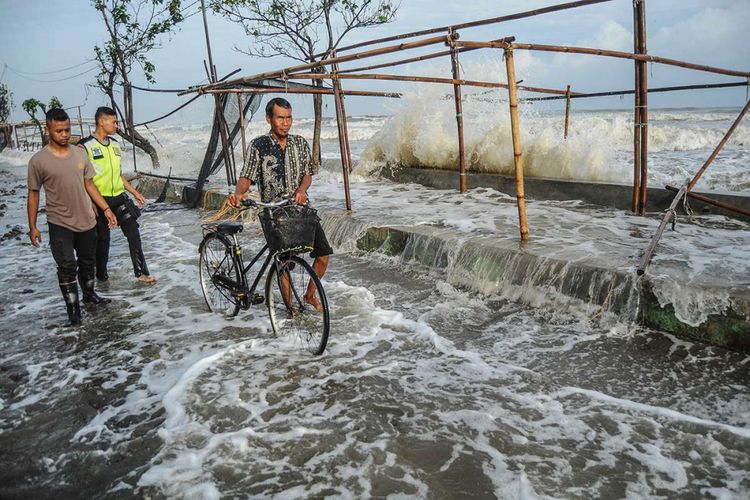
(297, 304)
(219, 273)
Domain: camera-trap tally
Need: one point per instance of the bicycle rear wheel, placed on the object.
(219, 272)
(291, 308)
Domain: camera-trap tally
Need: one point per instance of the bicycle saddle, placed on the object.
(229, 227)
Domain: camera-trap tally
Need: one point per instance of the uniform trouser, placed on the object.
(74, 253)
(129, 227)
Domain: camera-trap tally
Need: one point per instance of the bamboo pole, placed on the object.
(517, 159)
(346, 133)
(606, 53)
(225, 145)
(282, 90)
(241, 107)
(643, 85)
(325, 62)
(218, 106)
(455, 69)
(416, 59)
(636, 112)
(345, 125)
(342, 145)
(711, 201)
(80, 121)
(648, 255)
(420, 79)
(481, 22)
(719, 147)
(650, 91)
(129, 110)
(567, 112)
(212, 68)
(398, 78)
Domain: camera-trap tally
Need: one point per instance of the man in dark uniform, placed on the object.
(281, 165)
(66, 175)
(105, 153)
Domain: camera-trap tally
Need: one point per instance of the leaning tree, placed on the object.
(303, 30)
(134, 27)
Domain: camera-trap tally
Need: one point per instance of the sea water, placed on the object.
(428, 387)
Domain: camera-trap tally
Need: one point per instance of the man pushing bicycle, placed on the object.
(281, 165)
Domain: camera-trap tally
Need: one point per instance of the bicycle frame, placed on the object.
(237, 256)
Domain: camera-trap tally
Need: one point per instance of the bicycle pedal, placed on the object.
(258, 299)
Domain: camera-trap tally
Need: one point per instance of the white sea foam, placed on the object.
(425, 385)
(422, 132)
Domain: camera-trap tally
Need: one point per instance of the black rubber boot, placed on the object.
(70, 294)
(89, 295)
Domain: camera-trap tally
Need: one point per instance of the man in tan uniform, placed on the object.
(65, 173)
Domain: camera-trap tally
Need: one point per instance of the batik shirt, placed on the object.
(277, 173)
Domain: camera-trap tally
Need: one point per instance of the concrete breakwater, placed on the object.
(520, 273)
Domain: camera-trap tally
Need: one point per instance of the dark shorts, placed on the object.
(321, 247)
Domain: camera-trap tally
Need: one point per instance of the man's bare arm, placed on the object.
(243, 184)
(100, 202)
(300, 195)
(32, 209)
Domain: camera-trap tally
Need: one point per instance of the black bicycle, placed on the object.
(294, 295)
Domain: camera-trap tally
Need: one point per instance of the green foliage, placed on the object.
(31, 106)
(300, 29)
(6, 103)
(134, 28)
(54, 102)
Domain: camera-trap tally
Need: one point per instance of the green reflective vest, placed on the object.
(106, 160)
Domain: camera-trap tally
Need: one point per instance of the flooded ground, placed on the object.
(425, 389)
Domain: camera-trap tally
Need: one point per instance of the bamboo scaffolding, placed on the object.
(421, 79)
(417, 59)
(472, 24)
(719, 147)
(581, 95)
(325, 62)
(669, 215)
(399, 78)
(456, 71)
(517, 159)
(606, 53)
(711, 201)
(567, 112)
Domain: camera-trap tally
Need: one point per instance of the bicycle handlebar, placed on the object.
(249, 202)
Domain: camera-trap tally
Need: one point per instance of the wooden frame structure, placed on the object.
(450, 37)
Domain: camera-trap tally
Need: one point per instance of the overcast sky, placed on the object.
(37, 38)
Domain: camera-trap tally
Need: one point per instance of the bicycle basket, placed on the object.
(289, 228)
